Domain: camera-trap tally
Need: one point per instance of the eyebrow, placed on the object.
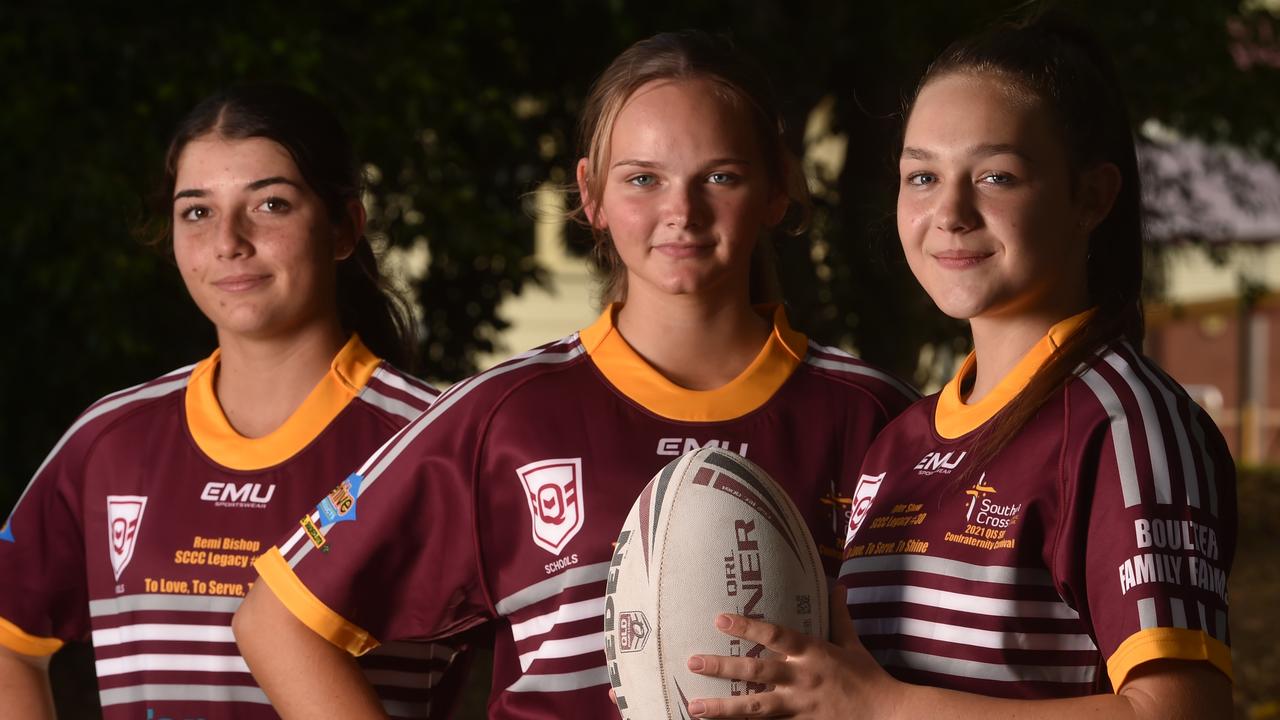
(651, 164)
(980, 150)
(255, 185)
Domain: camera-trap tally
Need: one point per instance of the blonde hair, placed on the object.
(686, 55)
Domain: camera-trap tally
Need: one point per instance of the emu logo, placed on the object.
(237, 495)
(675, 446)
(936, 462)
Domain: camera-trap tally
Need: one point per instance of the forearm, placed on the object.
(1167, 690)
(302, 673)
(24, 685)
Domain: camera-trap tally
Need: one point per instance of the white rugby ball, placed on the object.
(711, 533)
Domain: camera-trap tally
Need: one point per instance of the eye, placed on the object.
(920, 178)
(641, 180)
(721, 178)
(274, 205)
(195, 213)
(997, 178)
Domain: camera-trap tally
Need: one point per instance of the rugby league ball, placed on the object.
(711, 533)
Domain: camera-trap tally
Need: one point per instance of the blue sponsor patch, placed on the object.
(340, 505)
(6, 533)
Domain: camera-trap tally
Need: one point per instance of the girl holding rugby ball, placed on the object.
(501, 504)
(1077, 508)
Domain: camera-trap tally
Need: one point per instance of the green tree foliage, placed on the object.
(464, 107)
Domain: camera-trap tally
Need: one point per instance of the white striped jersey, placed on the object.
(501, 503)
(1099, 539)
(139, 528)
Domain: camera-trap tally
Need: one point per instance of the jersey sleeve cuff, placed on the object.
(1166, 644)
(19, 641)
(276, 573)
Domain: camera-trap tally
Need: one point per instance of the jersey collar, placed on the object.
(639, 381)
(350, 370)
(953, 418)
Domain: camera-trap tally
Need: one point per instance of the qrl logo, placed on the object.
(863, 496)
(124, 520)
(633, 631)
(554, 491)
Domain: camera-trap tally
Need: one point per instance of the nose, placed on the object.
(686, 206)
(233, 238)
(956, 211)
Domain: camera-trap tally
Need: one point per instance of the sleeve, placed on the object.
(865, 424)
(1151, 533)
(45, 600)
(391, 553)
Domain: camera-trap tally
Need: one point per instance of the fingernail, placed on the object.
(723, 621)
(696, 663)
(697, 707)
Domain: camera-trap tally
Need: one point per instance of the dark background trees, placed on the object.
(463, 108)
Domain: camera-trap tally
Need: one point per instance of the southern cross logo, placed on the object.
(977, 491)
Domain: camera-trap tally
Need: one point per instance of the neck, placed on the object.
(1000, 342)
(695, 342)
(262, 381)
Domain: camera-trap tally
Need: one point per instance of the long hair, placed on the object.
(1070, 72)
(319, 146)
(687, 55)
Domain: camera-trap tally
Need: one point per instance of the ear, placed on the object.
(1099, 186)
(776, 209)
(779, 201)
(350, 231)
(595, 212)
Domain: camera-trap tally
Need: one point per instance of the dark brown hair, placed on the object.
(686, 55)
(1068, 70)
(302, 125)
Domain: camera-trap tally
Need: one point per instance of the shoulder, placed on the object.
(1120, 383)
(111, 409)
(397, 393)
(486, 389)
(1160, 437)
(843, 369)
(471, 401)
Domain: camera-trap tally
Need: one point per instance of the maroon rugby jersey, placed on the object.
(139, 528)
(502, 502)
(1100, 538)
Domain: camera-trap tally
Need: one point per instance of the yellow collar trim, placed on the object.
(953, 418)
(348, 373)
(638, 380)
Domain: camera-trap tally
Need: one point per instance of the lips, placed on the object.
(241, 282)
(960, 259)
(684, 249)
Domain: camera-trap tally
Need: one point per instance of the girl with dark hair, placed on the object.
(1072, 513)
(138, 529)
(501, 504)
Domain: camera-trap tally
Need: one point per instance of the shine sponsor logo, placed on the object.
(124, 522)
(939, 463)
(316, 537)
(237, 495)
(553, 489)
(340, 505)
